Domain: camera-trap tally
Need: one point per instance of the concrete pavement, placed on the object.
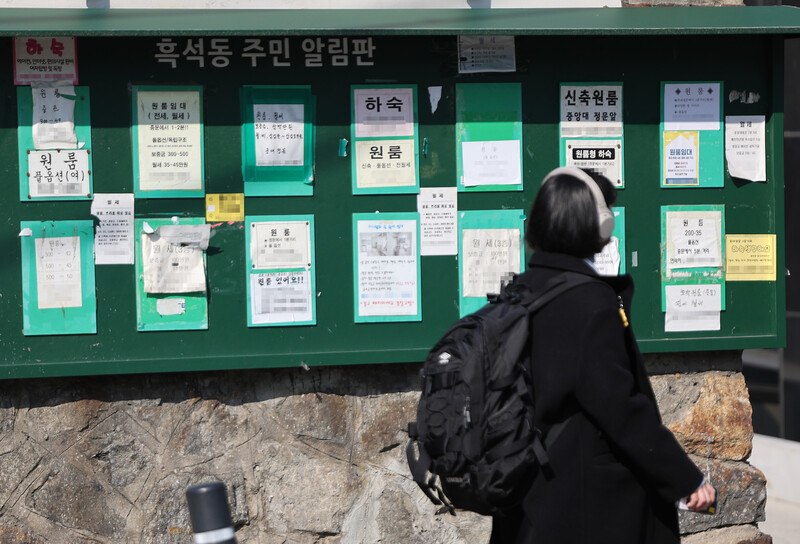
(779, 460)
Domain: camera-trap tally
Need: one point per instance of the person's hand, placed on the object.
(701, 499)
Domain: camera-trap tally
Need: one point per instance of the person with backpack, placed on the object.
(615, 472)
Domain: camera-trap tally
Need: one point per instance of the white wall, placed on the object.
(779, 460)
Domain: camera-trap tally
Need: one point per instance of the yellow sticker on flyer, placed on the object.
(225, 207)
(750, 257)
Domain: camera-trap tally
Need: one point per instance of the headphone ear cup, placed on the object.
(605, 218)
(606, 222)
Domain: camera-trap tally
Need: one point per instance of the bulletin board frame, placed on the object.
(419, 48)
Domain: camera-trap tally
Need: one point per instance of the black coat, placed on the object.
(617, 471)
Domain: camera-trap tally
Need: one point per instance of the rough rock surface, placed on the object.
(741, 534)
(308, 456)
(688, 362)
(742, 491)
(709, 413)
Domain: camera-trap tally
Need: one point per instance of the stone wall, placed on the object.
(311, 456)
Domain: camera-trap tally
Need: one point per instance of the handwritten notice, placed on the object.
(58, 272)
(279, 134)
(693, 307)
(607, 261)
(58, 173)
(54, 117)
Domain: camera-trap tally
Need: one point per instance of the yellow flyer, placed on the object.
(750, 257)
(225, 207)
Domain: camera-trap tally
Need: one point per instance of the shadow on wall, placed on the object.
(302, 451)
(232, 388)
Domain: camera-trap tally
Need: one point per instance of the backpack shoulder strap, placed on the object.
(534, 300)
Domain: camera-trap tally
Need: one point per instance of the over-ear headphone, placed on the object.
(604, 216)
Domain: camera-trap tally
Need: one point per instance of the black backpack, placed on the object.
(475, 429)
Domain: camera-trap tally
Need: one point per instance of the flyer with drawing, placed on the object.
(386, 256)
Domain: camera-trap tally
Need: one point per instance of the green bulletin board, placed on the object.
(521, 106)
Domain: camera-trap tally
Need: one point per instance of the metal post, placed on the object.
(210, 514)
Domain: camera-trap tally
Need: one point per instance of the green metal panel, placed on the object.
(484, 113)
(540, 21)
(109, 66)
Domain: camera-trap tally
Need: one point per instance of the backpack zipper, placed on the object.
(622, 312)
